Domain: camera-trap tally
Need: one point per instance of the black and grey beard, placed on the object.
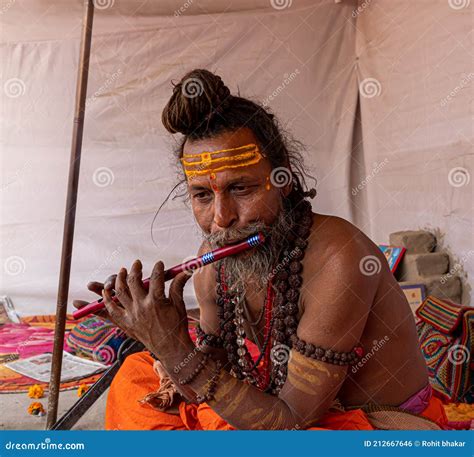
(253, 267)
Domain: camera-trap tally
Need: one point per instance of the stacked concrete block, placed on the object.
(415, 241)
(421, 264)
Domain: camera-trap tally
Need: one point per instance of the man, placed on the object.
(337, 344)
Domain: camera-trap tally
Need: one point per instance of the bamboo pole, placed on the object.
(70, 212)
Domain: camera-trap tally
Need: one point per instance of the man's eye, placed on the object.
(240, 189)
(201, 196)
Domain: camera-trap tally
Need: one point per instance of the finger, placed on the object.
(177, 287)
(115, 311)
(95, 287)
(110, 281)
(79, 303)
(121, 289)
(157, 281)
(134, 281)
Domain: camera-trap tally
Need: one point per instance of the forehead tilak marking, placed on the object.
(207, 162)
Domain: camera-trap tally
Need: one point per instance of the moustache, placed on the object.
(233, 235)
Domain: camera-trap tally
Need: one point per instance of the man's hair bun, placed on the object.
(197, 99)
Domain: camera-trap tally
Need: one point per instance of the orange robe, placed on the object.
(136, 378)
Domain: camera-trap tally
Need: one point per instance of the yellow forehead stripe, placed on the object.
(213, 161)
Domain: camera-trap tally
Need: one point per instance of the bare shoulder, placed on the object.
(336, 242)
(330, 234)
(340, 281)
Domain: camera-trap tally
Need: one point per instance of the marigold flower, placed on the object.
(35, 391)
(36, 409)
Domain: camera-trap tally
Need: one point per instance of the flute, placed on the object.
(191, 265)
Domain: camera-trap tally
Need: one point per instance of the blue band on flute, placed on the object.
(253, 240)
(208, 257)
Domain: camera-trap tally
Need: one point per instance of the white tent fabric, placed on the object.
(379, 91)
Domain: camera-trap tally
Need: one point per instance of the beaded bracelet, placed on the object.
(200, 366)
(209, 339)
(326, 355)
(211, 385)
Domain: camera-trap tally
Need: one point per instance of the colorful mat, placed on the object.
(35, 335)
(48, 321)
(25, 340)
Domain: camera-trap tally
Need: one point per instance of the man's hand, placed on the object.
(97, 287)
(159, 322)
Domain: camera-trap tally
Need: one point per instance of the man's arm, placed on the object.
(333, 318)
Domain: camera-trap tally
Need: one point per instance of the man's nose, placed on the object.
(225, 215)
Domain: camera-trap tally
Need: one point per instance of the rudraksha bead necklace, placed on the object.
(283, 322)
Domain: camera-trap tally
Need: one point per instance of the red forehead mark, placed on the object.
(213, 184)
